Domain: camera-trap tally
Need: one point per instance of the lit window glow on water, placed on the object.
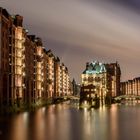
(64, 122)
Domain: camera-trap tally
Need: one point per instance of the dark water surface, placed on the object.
(64, 122)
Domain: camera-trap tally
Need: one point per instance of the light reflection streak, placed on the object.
(19, 130)
(39, 124)
(114, 122)
(87, 124)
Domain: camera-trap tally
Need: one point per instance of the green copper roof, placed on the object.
(95, 68)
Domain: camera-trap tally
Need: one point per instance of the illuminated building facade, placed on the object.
(114, 73)
(131, 87)
(39, 75)
(100, 81)
(19, 64)
(29, 74)
(65, 81)
(68, 84)
(94, 81)
(50, 73)
(12, 36)
(30, 69)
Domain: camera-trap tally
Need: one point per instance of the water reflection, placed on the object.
(87, 123)
(114, 122)
(63, 122)
(19, 127)
(39, 124)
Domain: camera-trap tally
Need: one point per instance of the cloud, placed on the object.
(104, 29)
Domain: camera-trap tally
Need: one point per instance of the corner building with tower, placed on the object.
(100, 82)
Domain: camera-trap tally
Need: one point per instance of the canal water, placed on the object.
(66, 122)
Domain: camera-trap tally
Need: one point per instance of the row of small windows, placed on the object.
(91, 79)
(89, 89)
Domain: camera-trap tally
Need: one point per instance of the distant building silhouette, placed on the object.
(76, 88)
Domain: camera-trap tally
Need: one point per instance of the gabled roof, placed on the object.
(95, 68)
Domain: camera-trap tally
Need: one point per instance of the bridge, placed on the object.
(65, 98)
(127, 97)
(70, 97)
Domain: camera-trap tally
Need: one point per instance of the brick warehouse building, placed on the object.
(131, 87)
(29, 74)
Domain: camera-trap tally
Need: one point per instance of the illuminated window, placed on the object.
(39, 51)
(38, 85)
(39, 77)
(18, 53)
(39, 65)
(18, 70)
(19, 62)
(18, 33)
(18, 81)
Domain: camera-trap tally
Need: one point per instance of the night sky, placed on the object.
(79, 31)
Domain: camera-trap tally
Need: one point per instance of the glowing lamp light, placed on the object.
(85, 102)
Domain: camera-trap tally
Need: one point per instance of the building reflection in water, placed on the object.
(19, 129)
(59, 122)
(62, 122)
(39, 124)
(100, 123)
(114, 120)
(87, 124)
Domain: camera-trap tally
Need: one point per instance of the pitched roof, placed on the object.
(95, 68)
